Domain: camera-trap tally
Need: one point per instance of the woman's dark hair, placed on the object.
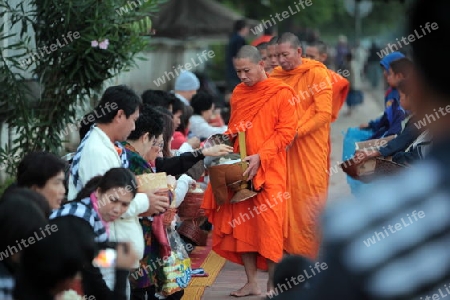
(167, 132)
(69, 245)
(187, 114)
(36, 168)
(201, 102)
(113, 178)
(177, 105)
(157, 98)
(150, 120)
(22, 213)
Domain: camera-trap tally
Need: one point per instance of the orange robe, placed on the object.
(256, 224)
(308, 158)
(341, 87)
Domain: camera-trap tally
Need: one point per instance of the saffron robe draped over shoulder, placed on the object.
(340, 88)
(308, 158)
(256, 225)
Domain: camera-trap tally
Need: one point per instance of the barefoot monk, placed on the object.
(250, 232)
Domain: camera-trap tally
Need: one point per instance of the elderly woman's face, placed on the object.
(155, 149)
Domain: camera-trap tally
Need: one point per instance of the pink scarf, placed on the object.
(94, 202)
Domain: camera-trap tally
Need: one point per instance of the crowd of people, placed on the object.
(58, 215)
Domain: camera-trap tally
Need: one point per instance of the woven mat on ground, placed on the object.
(212, 263)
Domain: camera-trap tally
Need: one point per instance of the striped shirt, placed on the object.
(84, 210)
(393, 242)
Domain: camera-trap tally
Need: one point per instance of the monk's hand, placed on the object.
(217, 150)
(253, 166)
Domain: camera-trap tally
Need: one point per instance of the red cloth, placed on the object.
(178, 139)
(216, 121)
(160, 233)
(262, 39)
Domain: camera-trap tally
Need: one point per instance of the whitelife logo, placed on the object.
(39, 54)
(404, 41)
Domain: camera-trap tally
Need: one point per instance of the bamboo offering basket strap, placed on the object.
(243, 153)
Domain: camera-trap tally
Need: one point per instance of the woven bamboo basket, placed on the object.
(191, 230)
(190, 207)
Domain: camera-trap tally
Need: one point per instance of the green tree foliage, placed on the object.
(329, 16)
(384, 16)
(70, 68)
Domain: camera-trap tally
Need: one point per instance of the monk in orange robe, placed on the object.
(250, 232)
(340, 85)
(308, 158)
(272, 57)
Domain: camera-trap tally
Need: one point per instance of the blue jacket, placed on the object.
(391, 94)
(402, 141)
(390, 123)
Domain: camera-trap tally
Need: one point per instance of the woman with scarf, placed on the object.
(144, 145)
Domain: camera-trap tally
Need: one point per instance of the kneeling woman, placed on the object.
(103, 200)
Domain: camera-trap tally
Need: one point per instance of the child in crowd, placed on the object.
(409, 131)
(391, 92)
(390, 123)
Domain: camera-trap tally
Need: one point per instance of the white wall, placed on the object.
(162, 65)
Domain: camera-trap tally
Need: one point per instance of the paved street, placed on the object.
(232, 276)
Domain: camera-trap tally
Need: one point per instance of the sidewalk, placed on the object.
(232, 276)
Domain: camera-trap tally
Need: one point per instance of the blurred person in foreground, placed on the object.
(260, 108)
(25, 211)
(394, 244)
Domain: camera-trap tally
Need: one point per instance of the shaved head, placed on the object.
(249, 52)
(273, 41)
(263, 50)
(317, 51)
(249, 65)
(289, 38)
(262, 46)
(289, 51)
(272, 56)
(321, 46)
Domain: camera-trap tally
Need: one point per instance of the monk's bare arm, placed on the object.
(322, 103)
(285, 127)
